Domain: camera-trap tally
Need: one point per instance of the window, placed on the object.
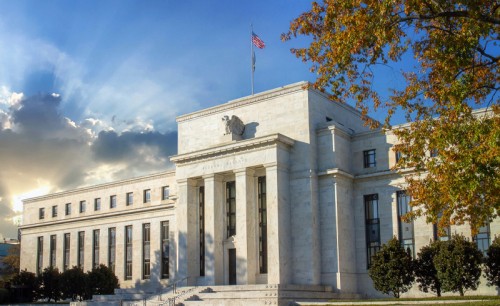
(41, 213)
(398, 155)
(111, 248)
(53, 251)
(54, 211)
(67, 209)
(406, 235)
(112, 201)
(231, 208)
(97, 204)
(165, 192)
(446, 233)
(262, 224)
(81, 249)
(95, 244)
(130, 198)
(482, 239)
(434, 152)
(372, 223)
(146, 250)
(39, 257)
(128, 252)
(83, 206)
(201, 222)
(147, 195)
(369, 158)
(66, 248)
(164, 250)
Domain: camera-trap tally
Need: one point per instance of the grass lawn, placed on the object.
(435, 301)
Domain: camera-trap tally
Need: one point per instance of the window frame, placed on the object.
(370, 158)
(97, 204)
(372, 247)
(165, 193)
(54, 211)
(129, 198)
(67, 209)
(146, 196)
(41, 213)
(83, 206)
(112, 201)
(146, 250)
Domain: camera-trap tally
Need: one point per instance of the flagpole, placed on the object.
(252, 67)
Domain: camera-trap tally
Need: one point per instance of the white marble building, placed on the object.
(288, 189)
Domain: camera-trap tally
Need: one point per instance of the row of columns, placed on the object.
(246, 238)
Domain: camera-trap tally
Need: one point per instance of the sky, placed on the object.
(89, 90)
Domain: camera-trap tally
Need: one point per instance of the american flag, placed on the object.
(259, 43)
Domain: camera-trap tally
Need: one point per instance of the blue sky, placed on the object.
(89, 90)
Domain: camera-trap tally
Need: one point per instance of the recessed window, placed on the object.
(482, 239)
(83, 206)
(97, 204)
(67, 209)
(128, 252)
(445, 234)
(130, 198)
(54, 211)
(434, 152)
(369, 158)
(406, 235)
(165, 192)
(41, 213)
(66, 248)
(81, 249)
(147, 195)
(96, 246)
(112, 248)
(165, 250)
(231, 208)
(146, 251)
(112, 201)
(398, 155)
(372, 224)
(53, 247)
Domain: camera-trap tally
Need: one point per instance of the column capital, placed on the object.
(244, 171)
(213, 176)
(186, 181)
(276, 166)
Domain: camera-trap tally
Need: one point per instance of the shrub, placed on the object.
(102, 280)
(492, 264)
(392, 269)
(24, 287)
(425, 271)
(50, 284)
(73, 284)
(458, 265)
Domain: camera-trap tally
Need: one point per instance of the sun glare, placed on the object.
(17, 200)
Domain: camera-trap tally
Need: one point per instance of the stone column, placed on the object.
(246, 260)
(278, 225)
(187, 257)
(214, 229)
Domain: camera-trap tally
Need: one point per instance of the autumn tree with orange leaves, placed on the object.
(456, 55)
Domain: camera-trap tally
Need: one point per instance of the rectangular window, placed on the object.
(482, 239)
(398, 155)
(41, 213)
(67, 209)
(83, 206)
(201, 222)
(81, 249)
(372, 223)
(96, 245)
(111, 248)
(262, 224)
(97, 204)
(128, 252)
(112, 201)
(146, 250)
(54, 211)
(39, 257)
(445, 236)
(231, 208)
(434, 152)
(147, 195)
(164, 250)
(369, 158)
(165, 192)
(130, 198)
(406, 234)
(66, 248)
(53, 251)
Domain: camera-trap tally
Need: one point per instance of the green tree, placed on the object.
(102, 280)
(425, 271)
(451, 59)
(392, 269)
(26, 285)
(458, 265)
(73, 284)
(50, 284)
(492, 265)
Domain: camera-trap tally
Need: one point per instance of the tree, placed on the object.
(392, 269)
(492, 265)
(458, 265)
(25, 285)
(11, 261)
(102, 280)
(50, 284)
(73, 284)
(448, 60)
(425, 271)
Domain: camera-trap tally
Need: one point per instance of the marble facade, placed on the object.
(311, 153)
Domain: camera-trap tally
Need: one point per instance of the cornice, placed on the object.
(100, 186)
(100, 216)
(233, 147)
(266, 95)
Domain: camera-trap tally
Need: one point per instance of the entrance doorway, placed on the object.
(232, 266)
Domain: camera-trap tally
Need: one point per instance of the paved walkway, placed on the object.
(432, 302)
